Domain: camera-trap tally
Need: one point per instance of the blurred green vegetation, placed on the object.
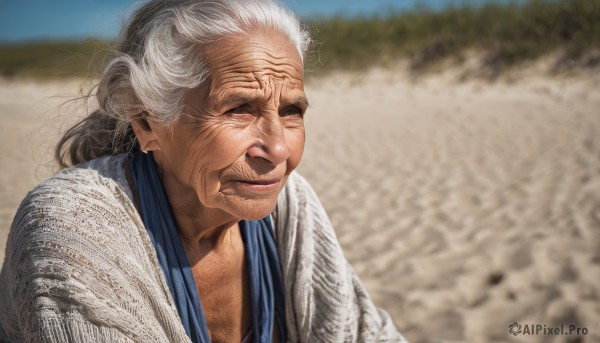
(503, 35)
(53, 59)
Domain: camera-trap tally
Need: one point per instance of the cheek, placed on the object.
(199, 152)
(192, 156)
(295, 140)
(210, 157)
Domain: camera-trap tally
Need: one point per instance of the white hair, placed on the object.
(158, 59)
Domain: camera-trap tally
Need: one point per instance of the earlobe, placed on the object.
(145, 135)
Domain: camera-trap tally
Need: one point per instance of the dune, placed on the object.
(463, 206)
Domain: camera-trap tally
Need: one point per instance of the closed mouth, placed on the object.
(260, 182)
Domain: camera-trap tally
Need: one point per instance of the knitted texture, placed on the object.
(80, 267)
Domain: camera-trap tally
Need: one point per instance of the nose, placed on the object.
(271, 144)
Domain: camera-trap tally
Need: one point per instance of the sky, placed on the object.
(26, 20)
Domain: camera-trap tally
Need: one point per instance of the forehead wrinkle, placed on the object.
(281, 66)
(256, 70)
(278, 75)
(256, 49)
(282, 70)
(277, 58)
(254, 80)
(248, 78)
(223, 81)
(253, 60)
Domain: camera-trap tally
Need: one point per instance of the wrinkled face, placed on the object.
(240, 137)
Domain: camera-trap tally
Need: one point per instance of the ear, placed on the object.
(144, 133)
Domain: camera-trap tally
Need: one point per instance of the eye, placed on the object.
(292, 111)
(242, 109)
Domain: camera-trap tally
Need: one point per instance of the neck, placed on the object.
(196, 223)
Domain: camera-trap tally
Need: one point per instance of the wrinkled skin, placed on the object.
(227, 159)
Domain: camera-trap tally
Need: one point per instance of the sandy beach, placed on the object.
(463, 206)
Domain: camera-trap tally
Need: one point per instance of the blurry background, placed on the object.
(455, 146)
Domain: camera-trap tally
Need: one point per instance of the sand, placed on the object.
(463, 206)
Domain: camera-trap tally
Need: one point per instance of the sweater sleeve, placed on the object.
(76, 271)
(325, 300)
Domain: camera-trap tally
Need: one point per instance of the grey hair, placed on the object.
(157, 61)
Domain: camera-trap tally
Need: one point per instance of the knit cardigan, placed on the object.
(80, 267)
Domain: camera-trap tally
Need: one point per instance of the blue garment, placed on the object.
(264, 270)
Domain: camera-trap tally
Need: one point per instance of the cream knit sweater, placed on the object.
(80, 267)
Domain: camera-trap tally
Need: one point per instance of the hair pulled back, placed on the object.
(157, 60)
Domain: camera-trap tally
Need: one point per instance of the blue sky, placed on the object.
(22, 20)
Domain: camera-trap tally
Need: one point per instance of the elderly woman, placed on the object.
(182, 219)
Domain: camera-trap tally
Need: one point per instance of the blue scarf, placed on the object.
(266, 280)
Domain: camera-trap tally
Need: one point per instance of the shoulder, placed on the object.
(302, 225)
(80, 188)
(105, 173)
(70, 206)
(316, 274)
(78, 253)
(297, 192)
(78, 222)
(299, 203)
(95, 181)
(329, 303)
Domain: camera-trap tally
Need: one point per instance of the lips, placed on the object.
(260, 182)
(253, 188)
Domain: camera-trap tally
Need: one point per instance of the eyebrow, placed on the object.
(301, 101)
(237, 97)
(240, 97)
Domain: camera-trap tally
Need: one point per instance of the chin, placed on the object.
(255, 209)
